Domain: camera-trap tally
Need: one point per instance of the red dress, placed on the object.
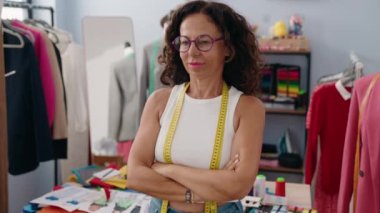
(327, 119)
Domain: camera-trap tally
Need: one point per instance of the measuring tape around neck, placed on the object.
(210, 206)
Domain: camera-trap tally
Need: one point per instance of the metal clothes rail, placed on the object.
(30, 8)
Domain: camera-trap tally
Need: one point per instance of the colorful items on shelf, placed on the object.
(288, 81)
(280, 30)
(281, 80)
(280, 86)
(295, 25)
(267, 79)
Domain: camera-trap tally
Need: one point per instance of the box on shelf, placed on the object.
(285, 103)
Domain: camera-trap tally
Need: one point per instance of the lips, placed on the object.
(195, 63)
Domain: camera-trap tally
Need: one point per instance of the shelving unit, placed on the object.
(281, 169)
(301, 111)
(295, 120)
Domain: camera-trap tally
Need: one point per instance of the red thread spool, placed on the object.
(280, 187)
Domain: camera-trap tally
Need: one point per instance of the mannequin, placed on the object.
(123, 102)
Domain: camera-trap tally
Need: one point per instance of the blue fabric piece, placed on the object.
(232, 207)
(30, 208)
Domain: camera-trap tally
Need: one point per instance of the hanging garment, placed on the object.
(123, 100)
(151, 70)
(368, 194)
(29, 138)
(48, 62)
(59, 129)
(75, 80)
(74, 74)
(326, 121)
(46, 72)
(60, 117)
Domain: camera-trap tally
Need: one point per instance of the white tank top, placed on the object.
(194, 138)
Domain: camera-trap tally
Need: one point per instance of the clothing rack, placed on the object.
(30, 8)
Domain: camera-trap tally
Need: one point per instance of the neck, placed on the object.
(205, 89)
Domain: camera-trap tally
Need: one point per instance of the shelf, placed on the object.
(272, 52)
(281, 169)
(300, 111)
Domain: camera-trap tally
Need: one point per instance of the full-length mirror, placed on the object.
(112, 83)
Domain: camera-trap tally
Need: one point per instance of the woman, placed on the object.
(199, 142)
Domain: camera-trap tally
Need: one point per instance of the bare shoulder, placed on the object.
(249, 111)
(157, 101)
(160, 94)
(250, 104)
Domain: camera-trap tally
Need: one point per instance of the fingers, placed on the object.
(231, 165)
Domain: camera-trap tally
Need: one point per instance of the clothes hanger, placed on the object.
(348, 75)
(356, 74)
(44, 26)
(24, 32)
(333, 77)
(20, 45)
(349, 80)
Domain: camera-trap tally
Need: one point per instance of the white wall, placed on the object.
(334, 27)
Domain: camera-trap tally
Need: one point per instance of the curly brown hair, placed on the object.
(242, 68)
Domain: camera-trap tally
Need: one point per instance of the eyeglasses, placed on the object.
(203, 43)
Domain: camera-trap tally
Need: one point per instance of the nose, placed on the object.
(193, 50)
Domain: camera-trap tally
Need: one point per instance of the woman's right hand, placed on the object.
(233, 163)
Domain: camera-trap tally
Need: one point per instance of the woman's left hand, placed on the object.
(161, 168)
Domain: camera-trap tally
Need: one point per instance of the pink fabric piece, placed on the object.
(368, 197)
(123, 149)
(46, 74)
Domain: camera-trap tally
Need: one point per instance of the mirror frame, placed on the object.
(3, 134)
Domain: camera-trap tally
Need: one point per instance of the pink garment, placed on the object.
(46, 73)
(368, 197)
(123, 149)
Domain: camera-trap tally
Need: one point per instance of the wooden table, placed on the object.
(297, 194)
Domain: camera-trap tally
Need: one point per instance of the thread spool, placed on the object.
(259, 187)
(280, 187)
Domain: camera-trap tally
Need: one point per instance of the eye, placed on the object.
(204, 42)
(184, 42)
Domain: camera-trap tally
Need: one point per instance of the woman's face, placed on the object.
(202, 63)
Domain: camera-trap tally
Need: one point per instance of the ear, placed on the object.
(227, 51)
(229, 54)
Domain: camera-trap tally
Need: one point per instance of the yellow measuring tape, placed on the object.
(210, 206)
